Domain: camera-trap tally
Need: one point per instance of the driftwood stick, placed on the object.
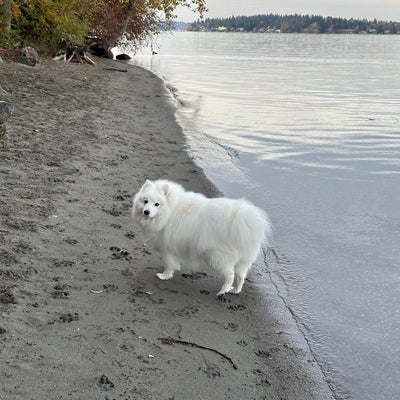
(116, 69)
(88, 59)
(60, 57)
(171, 341)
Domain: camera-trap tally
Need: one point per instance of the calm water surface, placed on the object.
(308, 127)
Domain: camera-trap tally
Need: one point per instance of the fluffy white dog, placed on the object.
(194, 232)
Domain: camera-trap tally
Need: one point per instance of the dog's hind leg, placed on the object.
(241, 270)
(171, 265)
(229, 276)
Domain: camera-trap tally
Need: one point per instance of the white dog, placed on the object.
(194, 232)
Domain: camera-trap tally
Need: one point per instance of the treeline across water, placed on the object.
(295, 24)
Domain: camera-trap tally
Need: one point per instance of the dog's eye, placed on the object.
(157, 204)
(145, 201)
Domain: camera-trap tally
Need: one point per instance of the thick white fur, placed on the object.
(194, 233)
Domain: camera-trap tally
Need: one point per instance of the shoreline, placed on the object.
(82, 311)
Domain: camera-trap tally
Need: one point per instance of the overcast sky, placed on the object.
(370, 9)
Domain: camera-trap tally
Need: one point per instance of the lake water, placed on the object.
(308, 127)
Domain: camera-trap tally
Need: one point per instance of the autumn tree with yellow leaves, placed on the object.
(44, 23)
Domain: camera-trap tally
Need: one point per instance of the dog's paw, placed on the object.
(222, 292)
(163, 276)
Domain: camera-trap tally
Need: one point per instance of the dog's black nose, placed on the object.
(146, 212)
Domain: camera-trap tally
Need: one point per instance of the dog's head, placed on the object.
(150, 206)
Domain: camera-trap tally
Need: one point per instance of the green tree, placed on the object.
(40, 22)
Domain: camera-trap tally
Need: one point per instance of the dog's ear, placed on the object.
(165, 189)
(147, 184)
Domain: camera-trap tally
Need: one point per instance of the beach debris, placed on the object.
(171, 341)
(144, 292)
(165, 289)
(96, 291)
(73, 51)
(108, 287)
(140, 292)
(116, 69)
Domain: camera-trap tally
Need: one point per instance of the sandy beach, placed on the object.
(82, 314)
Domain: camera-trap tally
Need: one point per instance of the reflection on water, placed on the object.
(291, 97)
(308, 127)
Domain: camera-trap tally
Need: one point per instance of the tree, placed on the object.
(135, 21)
(313, 28)
(46, 22)
(298, 23)
(41, 22)
(6, 18)
(285, 27)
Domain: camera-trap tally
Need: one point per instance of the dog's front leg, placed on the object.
(171, 265)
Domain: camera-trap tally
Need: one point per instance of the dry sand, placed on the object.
(82, 313)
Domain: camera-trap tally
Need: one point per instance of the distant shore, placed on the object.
(294, 23)
(83, 315)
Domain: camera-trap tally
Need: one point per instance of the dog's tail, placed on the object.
(251, 227)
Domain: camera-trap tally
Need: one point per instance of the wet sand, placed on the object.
(82, 314)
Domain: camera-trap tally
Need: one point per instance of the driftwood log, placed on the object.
(72, 51)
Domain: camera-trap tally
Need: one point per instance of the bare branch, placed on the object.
(171, 341)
